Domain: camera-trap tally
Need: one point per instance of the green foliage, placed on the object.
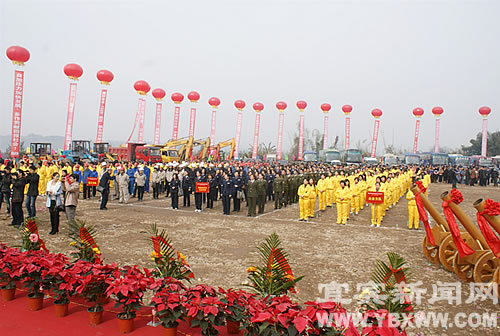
(273, 276)
(86, 249)
(475, 145)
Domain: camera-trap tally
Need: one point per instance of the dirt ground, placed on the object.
(219, 248)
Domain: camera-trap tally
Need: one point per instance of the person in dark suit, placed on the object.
(104, 184)
(237, 189)
(187, 188)
(18, 182)
(212, 191)
(198, 198)
(174, 186)
(226, 189)
(33, 179)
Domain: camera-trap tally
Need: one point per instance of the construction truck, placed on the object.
(169, 151)
(103, 154)
(136, 152)
(220, 155)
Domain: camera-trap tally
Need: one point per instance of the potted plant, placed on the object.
(317, 313)
(274, 276)
(31, 269)
(92, 285)
(204, 307)
(168, 262)
(275, 316)
(128, 285)
(168, 302)
(235, 305)
(30, 239)
(10, 263)
(83, 237)
(62, 278)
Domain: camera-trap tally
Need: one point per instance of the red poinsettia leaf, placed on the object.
(300, 324)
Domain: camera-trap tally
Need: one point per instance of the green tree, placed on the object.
(475, 145)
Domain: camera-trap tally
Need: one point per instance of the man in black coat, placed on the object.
(104, 186)
(33, 179)
(18, 184)
(5, 181)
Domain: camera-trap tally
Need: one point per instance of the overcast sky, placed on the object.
(393, 55)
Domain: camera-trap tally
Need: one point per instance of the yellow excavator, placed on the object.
(220, 155)
(169, 151)
(204, 151)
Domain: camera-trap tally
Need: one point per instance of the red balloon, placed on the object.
(73, 71)
(193, 96)
(142, 87)
(418, 112)
(347, 108)
(301, 105)
(437, 111)
(258, 107)
(326, 107)
(105, 76)
(214, 102)
(281, 106)
(159, 94)
(18, 55)
(376, 113)
(239, 104)
(484, 111)
(177, 97)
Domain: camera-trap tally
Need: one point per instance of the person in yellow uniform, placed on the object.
(342, 198)
(413, 216)
(355, 196)
(312, 198)
(348, 207)
(303, 193)
(376, 209)
(329, 190)
(322, 192)
(363, 187)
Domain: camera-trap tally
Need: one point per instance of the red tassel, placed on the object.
(489, 235)
(462, 247)
(423, 216)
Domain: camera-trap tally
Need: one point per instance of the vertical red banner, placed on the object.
(415, 139)
(347, 132)
(69, 118)
(15, 139)
(175, 131)
(212, 132)
(436, 136)
(142, 113)
(375, 138)
(256, 136)
(192, 121)
(484, 142)
(135, 124)
(325, 132)
(280, 136)
(238, 135)
(100, 118)
(157, 124)
(301, 137)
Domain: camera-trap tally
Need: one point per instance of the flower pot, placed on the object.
(125, 325)
(61, 308)
(170, 331)
(35, 302)
(8, 294)
(95, 317)
(233, 327)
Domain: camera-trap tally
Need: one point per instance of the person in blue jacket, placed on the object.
(226, 190)
(237, 189)
(131, 175)
(93, 173)
(86, 173)
(147, 172)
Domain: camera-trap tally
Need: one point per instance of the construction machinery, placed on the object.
(40, 151)
(202, 155)
(137, 152)
(80, 150)
(102, 151)
(219, 155)
(169, 151)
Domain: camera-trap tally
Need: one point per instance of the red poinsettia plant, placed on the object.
(204, 307)
(168, 301)
(275, 316)
(328, 318)
(11, 260)
(128, 285)
(62, 278)
(381, 322)
(92, 281)
(235, 303)
(34, 264)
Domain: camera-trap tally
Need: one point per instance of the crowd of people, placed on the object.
(254, 184)
(482, 176)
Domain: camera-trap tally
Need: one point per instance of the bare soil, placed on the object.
(220, 248)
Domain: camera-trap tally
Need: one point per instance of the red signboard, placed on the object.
(202, 187)
(374, 197)
(92, 181)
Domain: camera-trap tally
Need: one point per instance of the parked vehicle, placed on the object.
(137, 152)
(411, 159)
(434, 159)
(390, 160)
(80, 150)
(351, 156)
(310, 156)
(330, 155)
(369, 161)
(459, 160)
